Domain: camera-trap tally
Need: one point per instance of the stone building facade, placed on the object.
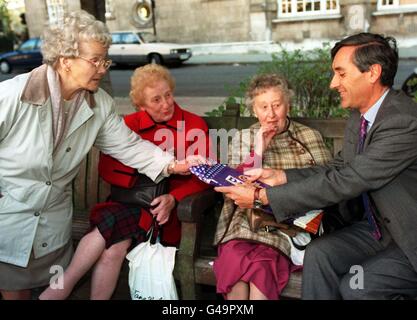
(212, 21)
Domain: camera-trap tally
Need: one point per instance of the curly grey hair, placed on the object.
(260, 83)
(63, 40)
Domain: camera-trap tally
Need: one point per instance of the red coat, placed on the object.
(171, 135)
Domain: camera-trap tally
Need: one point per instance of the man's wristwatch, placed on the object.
(257, 203)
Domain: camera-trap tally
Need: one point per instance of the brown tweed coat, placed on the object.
(297, 147)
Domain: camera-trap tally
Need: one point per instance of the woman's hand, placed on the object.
(269, 176)
(264, 137)
(164, 205)
(183, 167)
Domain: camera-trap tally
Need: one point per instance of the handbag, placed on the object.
(259, 220)
(141, 194)
(296, 236)
(150, 271)
(116, 173)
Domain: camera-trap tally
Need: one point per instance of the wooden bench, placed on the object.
(198, 213)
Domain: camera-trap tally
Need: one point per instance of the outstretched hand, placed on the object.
(183, 167)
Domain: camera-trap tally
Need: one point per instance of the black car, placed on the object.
(26, 57)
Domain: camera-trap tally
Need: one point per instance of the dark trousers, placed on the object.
(350, 264)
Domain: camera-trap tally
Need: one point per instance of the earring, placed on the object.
(67, 69)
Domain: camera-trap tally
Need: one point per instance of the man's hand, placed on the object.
(241, 194)
(164, 205)
(269, 176)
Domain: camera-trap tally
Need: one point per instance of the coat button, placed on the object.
(37, 214)
(302, 151)
(386, 220)
(68, 149)
(48, 183)
(44, 244)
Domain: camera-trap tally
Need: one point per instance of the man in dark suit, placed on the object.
(376, 256)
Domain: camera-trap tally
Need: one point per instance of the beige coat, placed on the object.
(35, 185)
(284, 151)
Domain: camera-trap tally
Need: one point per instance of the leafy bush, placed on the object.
(412, 83)
(236, 96)
(309, 73)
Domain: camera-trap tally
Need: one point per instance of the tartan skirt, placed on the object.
(117, 222)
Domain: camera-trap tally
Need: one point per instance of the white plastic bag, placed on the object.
(150, 272)
(298, 244)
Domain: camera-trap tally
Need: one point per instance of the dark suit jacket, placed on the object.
(387, 169)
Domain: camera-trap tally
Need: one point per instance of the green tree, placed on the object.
(6, 34)
(4, 18)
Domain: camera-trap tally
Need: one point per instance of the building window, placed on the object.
(387, 4)
(396, 4)
(302, 8)
(56, 9)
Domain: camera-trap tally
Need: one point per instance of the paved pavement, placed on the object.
(408, 53)
(254, 52)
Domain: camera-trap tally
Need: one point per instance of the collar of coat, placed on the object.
(36, 90)
(146, 121)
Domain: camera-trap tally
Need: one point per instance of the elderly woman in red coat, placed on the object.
(116, 227)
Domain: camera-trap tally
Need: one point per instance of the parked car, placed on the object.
(134, 48)
(26, 57)
(410, 84)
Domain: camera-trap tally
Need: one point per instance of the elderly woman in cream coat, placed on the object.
(49, 120)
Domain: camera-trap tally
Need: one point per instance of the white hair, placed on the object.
(63, 40)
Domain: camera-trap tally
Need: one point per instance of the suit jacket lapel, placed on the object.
(352, 135)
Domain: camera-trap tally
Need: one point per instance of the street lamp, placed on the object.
(153, 17)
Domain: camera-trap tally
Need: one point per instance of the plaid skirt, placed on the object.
(117, 222)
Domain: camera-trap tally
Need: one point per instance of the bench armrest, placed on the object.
(190, 208)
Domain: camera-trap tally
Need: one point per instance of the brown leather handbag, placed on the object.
(259, 220)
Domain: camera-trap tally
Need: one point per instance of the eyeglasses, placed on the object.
(106, 63)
